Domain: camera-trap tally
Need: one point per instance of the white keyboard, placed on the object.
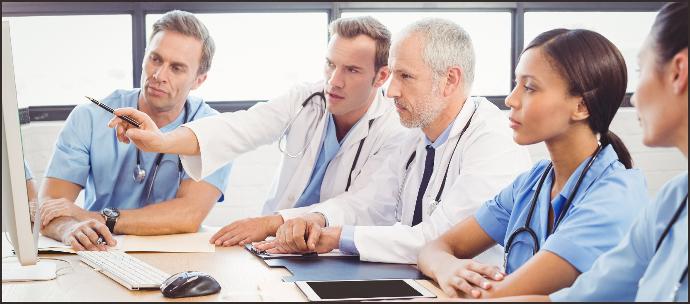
(125, 269)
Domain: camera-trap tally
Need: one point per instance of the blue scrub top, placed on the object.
(27, 172)
(88, 153)
(632, 270)
(329, 148)
(608, 200)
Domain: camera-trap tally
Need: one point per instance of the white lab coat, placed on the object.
(485, 161)
(224, 137)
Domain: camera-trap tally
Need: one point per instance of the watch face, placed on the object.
(111, 212)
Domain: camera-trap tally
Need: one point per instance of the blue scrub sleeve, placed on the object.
(70, 160)
(218, 179)
(27, 171)
(493, 215)
(615, 275)
(597, 223)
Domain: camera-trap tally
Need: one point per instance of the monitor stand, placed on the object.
(12, 271)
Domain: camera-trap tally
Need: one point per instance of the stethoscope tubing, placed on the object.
(140, 174)
(306, 143)
(526, 226)
(292, 121)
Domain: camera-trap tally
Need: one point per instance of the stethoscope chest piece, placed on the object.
(139, 174)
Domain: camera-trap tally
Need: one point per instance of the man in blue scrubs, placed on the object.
(128, 191)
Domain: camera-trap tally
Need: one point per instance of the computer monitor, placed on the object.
(15, 207)
(15, 202)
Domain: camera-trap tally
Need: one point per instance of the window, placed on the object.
(261, 55)
(627, 30)
(59, 59)
(490, 33)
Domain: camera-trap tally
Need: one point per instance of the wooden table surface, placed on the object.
(242, 276)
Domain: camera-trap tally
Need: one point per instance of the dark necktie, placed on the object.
(428, 169)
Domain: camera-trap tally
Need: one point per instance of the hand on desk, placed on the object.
(319, 240)
(54, 208)
(247, 230)
(84, 236)
(466, 276)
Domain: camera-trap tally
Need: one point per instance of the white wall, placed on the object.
(253, 172)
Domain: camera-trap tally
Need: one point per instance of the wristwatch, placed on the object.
(111, 215)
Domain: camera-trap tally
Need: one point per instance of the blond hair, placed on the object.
(187, 24)
(368, 26)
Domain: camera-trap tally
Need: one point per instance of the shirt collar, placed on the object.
(378, 108)
(442, 138)
(606, 157)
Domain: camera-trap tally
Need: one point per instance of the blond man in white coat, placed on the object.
(332, 134)
(459, 153)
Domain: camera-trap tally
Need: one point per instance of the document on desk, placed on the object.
(186, 242)
(47, 244)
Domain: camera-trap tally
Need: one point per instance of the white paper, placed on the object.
(187, 242)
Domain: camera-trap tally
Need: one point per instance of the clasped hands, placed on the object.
(297, 235)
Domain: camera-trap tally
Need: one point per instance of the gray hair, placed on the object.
(187, 24)
(446, 45)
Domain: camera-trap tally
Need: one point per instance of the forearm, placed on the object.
(178, 215)
(31, 191)
(58, 227)
(543, 274)
(274, 222)
(181, 141)
(530, 298)
(434, 255)
(315, 217)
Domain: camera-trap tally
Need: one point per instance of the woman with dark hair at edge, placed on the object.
(651, 262)
(555, 220)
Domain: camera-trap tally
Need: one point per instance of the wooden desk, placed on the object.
(242, 276)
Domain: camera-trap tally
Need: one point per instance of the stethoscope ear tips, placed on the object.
(139, 174)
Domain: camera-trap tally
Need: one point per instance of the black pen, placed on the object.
(109, 109)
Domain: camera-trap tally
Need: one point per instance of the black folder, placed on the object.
(312, 267)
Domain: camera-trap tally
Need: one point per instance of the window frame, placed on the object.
(139, 10)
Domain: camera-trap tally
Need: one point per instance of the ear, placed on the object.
(454, 81)
(581, 112)
(381, 76)
(199, 80)
(679, 72)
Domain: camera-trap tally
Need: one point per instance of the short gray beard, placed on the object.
(427, 111)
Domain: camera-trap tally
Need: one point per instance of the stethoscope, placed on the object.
(673, 220)
(283, 147)
(437, 200)
(139, 173)
(526, 228)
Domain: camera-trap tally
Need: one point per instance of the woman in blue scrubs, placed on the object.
(651, 263)
(557, 218)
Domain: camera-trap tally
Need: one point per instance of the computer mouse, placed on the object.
(189, 284)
